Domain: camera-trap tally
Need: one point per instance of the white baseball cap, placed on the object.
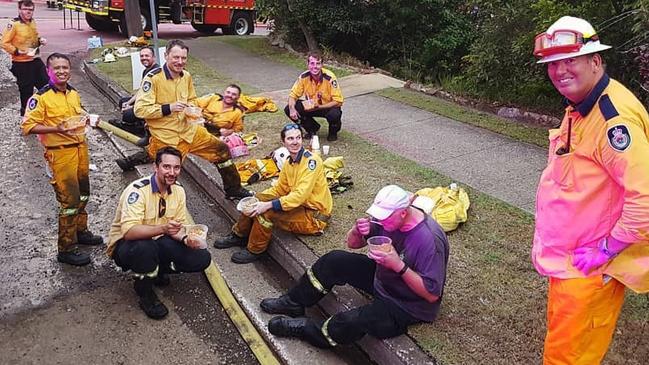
(388, 199)
(558, 37)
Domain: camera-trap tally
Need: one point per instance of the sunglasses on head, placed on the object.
(162, 207)
(290, 126)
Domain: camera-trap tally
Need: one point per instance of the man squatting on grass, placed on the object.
(592, 209)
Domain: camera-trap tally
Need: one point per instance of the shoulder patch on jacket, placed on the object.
(311, 165)
(305, 74)
(31, 104)
(132, 197)
(146, 86)
(607, 108)
(619, 137)
(44, 89)
(141, 183)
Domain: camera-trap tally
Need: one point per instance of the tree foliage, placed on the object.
(483, 47)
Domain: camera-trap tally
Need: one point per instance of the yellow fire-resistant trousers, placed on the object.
(581, 318)
(69, 167)
(204, 145)
(260, 228)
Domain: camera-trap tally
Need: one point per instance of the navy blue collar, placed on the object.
(298, 158)
(56, 90)
(588, 103)
(168, 73)
(154, 185)
(319, 79)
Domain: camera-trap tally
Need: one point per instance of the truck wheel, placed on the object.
(145, 19)
(100, 23)
(205, 28)
(241, 24)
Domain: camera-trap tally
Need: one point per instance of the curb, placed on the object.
(290, 253)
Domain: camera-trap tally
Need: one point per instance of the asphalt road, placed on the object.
(53, 313)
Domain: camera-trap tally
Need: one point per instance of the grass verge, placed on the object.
(260, 46)
(206, 80)
(494, 302)
(520, 132)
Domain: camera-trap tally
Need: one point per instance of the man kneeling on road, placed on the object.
(161, 101)
(323, 99)
(300, 202)
(147, 233)
(407, 280)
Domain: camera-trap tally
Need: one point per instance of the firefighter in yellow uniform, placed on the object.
(323, 98)
(161, 101)
(20, 39)
(67, 156)
(223, 114)
(300, 202)
(592, 212)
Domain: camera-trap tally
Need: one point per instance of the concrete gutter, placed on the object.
(289, 252)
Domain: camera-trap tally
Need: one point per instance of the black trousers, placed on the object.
(381, 318)
(333, 116)
(165, 253)
(130, 122)
(29, 75)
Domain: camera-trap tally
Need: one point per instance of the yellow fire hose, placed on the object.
(262, 352)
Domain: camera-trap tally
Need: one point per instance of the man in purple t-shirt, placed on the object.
(407, 282)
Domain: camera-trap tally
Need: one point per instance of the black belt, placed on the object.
(72, 145)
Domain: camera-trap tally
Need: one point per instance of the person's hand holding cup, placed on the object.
(363, 226)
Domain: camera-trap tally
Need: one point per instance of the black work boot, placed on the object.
(287, 327)
(162, 280)
(232, 183)
(231, 240)
(245, 257)
(149, 301)
(87, 238)
(282, 305)
(332, 136)
(144, 141)
(128, 163)
(73, 257)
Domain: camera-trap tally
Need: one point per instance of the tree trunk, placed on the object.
(311, 42)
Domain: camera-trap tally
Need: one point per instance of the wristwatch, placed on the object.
(403, 271)
(603, 246)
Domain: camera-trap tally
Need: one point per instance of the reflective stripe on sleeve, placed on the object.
(224, 164)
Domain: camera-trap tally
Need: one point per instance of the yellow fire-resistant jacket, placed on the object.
(20, 36)
(153, 104)
(599, 188)
(140, 204)
(50, 107)
(302, 182)
(320, 91)
(214, 113)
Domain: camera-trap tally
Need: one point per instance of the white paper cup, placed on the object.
(325, 149)
(93, 119)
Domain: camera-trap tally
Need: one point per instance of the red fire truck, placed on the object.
(232, 16)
